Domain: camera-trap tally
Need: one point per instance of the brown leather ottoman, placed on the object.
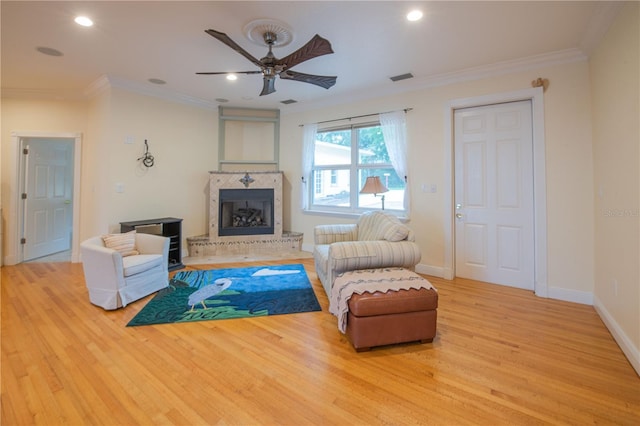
(378, 318)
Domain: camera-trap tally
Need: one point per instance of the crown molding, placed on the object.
(97, 86)
(599, 23)
(159, 92)
(102, 83)
(444, 79)
(106, 82)
(43, 94)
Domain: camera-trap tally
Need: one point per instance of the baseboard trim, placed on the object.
(630, 351)
(435, 271)
(567, 295)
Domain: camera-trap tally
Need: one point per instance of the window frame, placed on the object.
(354, 168)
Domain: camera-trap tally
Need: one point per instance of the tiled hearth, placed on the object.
(216, 244)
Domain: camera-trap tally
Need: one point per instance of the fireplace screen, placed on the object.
(246, 212)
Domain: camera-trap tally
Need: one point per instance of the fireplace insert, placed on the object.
(245, 212)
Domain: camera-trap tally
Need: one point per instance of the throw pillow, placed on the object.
(125, 243)
(396, 232)
(375, 226)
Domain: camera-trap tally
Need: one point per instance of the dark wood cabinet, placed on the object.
(169, 227)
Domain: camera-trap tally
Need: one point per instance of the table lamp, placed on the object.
(373, 185)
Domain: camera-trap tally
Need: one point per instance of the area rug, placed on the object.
(217, 294)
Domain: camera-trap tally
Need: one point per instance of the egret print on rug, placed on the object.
(216, 294)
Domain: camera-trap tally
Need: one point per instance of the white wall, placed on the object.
(614, 68)
(183, 142)
(182, 139)
(33, 116)
(568, 158)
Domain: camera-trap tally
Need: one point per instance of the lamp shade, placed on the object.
(373, 185)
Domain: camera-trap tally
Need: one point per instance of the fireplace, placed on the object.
(245, 193)
(241, 198)
(245, 212)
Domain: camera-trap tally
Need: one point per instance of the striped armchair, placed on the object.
(377, 240)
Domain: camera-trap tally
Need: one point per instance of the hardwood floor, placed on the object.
(501, 356)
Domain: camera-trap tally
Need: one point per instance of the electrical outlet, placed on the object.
(119, 188)
(128, 140)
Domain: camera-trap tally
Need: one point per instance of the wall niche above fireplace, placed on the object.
(249, 139)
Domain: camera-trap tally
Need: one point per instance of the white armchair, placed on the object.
(377, 240)
(114, 281)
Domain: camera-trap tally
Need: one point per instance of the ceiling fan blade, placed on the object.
(229, 72)
(315, 47)
(268, 86)
(318, 80)
(232, 44)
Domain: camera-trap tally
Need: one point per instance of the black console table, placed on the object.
(169, 227)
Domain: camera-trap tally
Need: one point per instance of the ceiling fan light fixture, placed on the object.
(272, 67)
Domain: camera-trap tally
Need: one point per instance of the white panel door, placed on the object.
(494, 223)
(48, 206)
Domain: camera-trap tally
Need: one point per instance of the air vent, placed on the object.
(49, 51)
(289, 101)
(401, 77)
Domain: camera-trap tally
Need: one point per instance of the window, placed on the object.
(343, 159)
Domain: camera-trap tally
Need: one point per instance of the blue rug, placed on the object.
(230, 293)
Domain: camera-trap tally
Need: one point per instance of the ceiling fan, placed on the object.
(270, 66)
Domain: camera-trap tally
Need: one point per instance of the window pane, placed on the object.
(393, 199)
(331, 187)
(333, 148)
(371, 147)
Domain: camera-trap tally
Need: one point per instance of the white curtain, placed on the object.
(394, 130)
(308, 147)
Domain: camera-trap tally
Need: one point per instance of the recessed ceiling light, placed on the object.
(84, 21)
(414, 15)
(232, 77)
(156, 81)
(222, 100)
(49, 51)
(288, 101)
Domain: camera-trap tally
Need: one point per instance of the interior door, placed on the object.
(48, 209)
(494, 211)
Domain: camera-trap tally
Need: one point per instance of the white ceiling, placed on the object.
(132, 42)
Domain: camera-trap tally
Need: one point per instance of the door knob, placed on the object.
(459, 215)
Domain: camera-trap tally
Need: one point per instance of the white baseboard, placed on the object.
(435, 271)
(10, 260)
(575, 296)
(631, 352)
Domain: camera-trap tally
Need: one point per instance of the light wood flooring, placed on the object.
(501, 357)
